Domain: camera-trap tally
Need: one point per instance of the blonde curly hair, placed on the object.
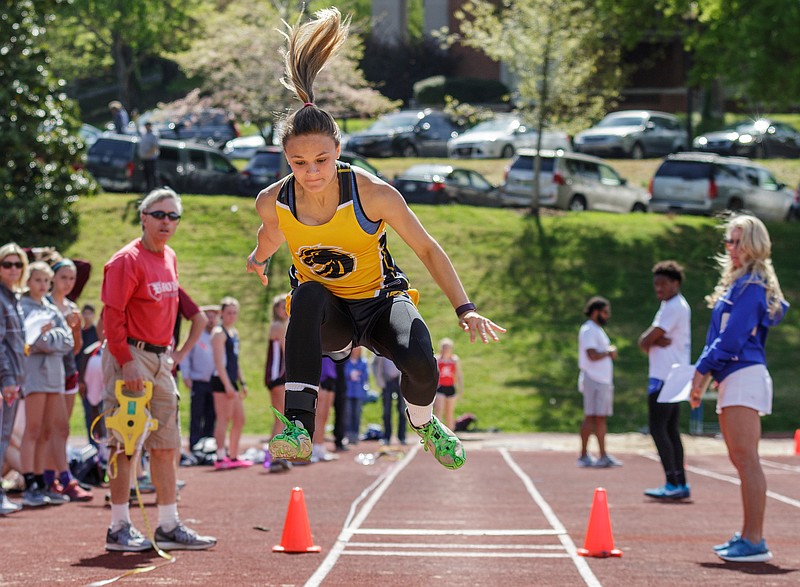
(755, 248)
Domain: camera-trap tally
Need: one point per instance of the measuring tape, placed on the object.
(131, 423)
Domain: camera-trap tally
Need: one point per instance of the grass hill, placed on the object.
(531, 276)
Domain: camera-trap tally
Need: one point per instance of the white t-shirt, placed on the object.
(674, 318)
(592, 336)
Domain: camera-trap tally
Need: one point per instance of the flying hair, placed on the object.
(310, 46)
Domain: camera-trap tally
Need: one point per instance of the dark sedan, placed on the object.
(445, 184)
(757, 139)
(408, 133)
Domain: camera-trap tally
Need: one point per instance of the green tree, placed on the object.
(38, 135)
(98, 35)
(747, 48)
(567, 73)
(237, 60)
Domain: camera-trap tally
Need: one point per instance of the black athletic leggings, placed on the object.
(664, 428)
(321, 323)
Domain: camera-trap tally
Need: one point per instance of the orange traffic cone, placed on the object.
(599, 541)
(296, 530)
(797, 442)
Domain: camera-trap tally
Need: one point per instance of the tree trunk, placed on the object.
(544, 97)
(120, 69)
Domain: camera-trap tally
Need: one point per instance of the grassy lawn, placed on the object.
(529, 276)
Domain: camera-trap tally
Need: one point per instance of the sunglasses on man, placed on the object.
(10, 264)
(160, 215)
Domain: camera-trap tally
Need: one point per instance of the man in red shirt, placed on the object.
(140, 297)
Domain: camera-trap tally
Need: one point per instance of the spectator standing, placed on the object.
(89, 347)
(340, 410)
(596, 357)
(667, 342)
(119, 117)
(148, 153)
(451, 383)
(387, 377)
(65, 276)
(275, 367)
(356, 372)
(13, 266)
(746, 302)
(43, 389)
(228, 386)
(140, 296)
(347, 290)
(197, 369)
(275, 374)
(327, 393)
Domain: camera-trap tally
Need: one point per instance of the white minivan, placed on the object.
(570, 181)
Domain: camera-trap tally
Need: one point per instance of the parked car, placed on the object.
(212, 126)
(794, 211)
(445, 184)
(706, 183)
(244, 147)
(752, 138)
(570, 181)
(637, 134)
(408, 133)
(89, 134)
(185, 167)
(269, 164)
(500, 137)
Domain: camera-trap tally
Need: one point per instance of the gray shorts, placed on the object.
(598, 398)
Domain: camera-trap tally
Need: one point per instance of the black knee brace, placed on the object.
(301, 405)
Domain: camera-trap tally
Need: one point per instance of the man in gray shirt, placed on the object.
(148, 153)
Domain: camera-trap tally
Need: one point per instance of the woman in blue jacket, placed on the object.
(746, 302)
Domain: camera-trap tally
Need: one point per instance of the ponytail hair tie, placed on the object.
(306, 104)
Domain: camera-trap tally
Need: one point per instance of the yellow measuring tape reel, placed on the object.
(132, 421)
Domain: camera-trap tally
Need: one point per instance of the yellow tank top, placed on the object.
(348, 254)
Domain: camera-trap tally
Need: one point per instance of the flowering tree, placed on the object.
(567, 75)
(238, 59)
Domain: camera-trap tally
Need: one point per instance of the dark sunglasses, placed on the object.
(10, 264)
(732, 242)
(160, 215)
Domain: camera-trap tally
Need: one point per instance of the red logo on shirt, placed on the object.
(159, 289)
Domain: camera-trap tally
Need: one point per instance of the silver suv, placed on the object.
(637, 134)
(570, 181)
(704, 183)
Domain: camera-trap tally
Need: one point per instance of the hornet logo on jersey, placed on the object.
(327, 262)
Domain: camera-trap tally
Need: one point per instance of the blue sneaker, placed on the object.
(744, 551)
(669, 491)
(735, 538)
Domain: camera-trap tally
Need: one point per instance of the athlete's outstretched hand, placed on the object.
(252, 267)
(478, 325)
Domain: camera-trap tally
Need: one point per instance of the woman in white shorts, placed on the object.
(746, 302)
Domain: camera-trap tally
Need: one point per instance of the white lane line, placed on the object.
(454, 546)
(377, 488)
(732, 480)
(424, 532)
(579, 562)
(781, 466)
(436, 554)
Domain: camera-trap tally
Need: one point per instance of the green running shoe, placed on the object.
(440, 440)
(293, 444)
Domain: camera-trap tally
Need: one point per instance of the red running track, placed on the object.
(509, 517)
